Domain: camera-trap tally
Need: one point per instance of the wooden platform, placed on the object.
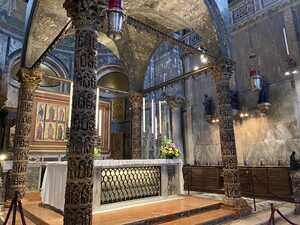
(184, 210)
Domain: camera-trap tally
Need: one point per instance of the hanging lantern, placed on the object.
(115, 14)
(256, 80)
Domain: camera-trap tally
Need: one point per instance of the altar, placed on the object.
(117, 181)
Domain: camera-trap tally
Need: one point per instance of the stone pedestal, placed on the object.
(295, 178)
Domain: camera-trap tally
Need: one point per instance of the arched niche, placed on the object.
(113, 81)
(51, 67)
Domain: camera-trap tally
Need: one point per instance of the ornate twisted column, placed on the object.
(222, 74)
(29, 82)
(79, 187)
(136, 101)
(176, 102)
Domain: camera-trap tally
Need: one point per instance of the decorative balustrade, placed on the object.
(122, 184)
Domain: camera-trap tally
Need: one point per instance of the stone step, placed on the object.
(42, 216)
(212, 217)
(171, 211)
(158, 219)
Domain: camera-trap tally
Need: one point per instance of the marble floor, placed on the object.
(167, 209)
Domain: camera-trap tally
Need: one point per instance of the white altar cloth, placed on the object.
(54, 182)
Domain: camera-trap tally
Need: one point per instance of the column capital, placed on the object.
(30, 77)
(223, 69)
(84, 13)
(175, 101)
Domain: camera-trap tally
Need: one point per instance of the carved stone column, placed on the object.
(222, 74)
(29, 81)
(79, 187)
(136, 101)
(176, 102)
(295, 178)
(2, 101)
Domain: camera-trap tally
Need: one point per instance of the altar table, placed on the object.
(117, 180)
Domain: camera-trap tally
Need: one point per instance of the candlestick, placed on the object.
(152, 116)
(70, 104)
(100, 122)
(97, 107)
(286, 41)
(144, 114)
(160, 119)
(155, 127)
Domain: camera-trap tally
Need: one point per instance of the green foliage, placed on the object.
(97, 152)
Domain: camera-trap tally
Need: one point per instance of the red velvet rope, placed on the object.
(286, 219)
(272, 217)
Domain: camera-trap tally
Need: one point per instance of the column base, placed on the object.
(238, 204)
(297, 209)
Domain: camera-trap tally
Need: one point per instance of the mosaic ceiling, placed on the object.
(136, 47)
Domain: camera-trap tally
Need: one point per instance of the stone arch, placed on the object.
(201, 16)
(51, 63)
(112, 77)
(155, 49)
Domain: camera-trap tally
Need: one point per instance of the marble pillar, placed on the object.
(295, 180)
(136, 102)
(79, 188)
(176, 103)
(222, 74)
(29, 82)
(189, 141)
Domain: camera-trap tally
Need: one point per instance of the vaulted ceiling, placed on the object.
(136, 47)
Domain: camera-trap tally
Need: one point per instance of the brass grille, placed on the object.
(122, 184)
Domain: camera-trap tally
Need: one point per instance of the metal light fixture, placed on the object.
(215, 120)
(115, 14)
(256, 80)
(203, 59)
(244, 115)
(3, 157)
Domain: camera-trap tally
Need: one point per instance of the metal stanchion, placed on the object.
(14, 206)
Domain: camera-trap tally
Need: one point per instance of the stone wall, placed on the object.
(260, 140)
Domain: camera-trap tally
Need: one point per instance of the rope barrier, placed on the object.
(271, 221)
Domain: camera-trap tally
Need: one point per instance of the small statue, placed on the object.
(234, 100)
(208, 105)
(294, 164)
(264, 93)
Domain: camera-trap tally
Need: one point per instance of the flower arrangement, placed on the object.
(97, 152)
(168, 149)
